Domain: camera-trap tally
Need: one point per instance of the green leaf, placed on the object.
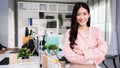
(24, 52)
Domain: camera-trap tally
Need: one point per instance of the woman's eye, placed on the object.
(78, 14)
(84, 13)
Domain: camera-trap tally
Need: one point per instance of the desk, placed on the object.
(4, 58)
(47, 62)
(21, 65)
(15, 63)
(4, 55)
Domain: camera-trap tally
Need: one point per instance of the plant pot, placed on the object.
(25, 57)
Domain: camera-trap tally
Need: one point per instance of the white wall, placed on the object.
(7, 22)
(4, 22)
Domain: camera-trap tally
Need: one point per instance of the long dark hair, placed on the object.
(74, 23)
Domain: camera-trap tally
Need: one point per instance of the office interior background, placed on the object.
(15, 15)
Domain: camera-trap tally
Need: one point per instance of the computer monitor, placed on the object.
(52, 40)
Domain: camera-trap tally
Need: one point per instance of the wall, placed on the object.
(11, 28)
(7, 22)
(4, 22)
(118, 25)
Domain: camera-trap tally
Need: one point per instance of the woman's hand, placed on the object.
(78, 51)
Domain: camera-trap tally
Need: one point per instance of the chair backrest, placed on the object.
(52, 40)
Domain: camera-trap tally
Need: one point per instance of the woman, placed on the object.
(84, 46)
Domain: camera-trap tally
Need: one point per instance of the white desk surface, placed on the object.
(31, 64)
(4, 55)
(21, 65)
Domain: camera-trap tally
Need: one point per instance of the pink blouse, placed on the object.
(89, 46)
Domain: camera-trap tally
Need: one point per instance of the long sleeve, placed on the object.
(70, 54)
(93, 48)
(98, 52)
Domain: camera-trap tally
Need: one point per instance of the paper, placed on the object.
(4, 55)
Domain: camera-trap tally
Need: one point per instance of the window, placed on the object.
(102, 17)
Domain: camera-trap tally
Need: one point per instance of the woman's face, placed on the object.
(82, 16)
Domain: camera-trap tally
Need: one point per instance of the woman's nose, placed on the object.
(81, 16)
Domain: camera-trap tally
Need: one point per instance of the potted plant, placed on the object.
(52, 48)
(24, 53)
